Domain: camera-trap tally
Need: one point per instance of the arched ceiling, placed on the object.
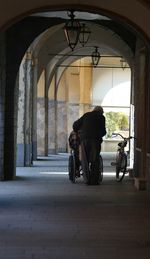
(136, 12)
(110, 37)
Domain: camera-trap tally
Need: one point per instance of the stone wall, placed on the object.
(2, 93)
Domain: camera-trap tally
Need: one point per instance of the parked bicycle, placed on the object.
(121, 157)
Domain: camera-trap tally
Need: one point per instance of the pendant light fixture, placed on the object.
(95, 57)
(84, 34)
(72, 30)
(123, 63)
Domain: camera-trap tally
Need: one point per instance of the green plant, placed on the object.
(116, 121)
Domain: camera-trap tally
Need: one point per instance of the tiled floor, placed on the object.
(44, 216)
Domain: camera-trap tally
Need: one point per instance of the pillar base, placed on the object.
(131, 172)
(140, 183)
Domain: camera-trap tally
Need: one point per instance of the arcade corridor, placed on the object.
(43, 215)
(40, 99)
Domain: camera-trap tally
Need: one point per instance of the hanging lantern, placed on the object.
(72, 31)
(123, 63)
(84, 35)
(95, 57)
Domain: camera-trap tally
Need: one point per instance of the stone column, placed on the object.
(55, 112)
(52, 117)
(20, 122)
(2, 95)
(148, 122)
(139, 112)
(34, 107)
(46, 112)
(141, 105)
(41, 115)
(10, 122)
(28, 110)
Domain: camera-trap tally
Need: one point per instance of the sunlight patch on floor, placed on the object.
(108, 174)
(54, 173)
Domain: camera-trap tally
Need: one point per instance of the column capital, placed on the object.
(28, 55)
(34, 61)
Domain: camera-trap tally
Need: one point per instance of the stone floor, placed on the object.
(44, 216)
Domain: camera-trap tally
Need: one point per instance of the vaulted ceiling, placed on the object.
(111, 37)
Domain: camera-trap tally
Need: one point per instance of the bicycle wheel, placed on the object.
(121, 164)
(72, 168)
(101, 168)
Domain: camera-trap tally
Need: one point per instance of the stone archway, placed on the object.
(11, 76)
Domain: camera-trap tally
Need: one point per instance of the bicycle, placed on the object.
(121, 157)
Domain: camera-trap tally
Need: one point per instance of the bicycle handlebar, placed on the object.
(118, 134)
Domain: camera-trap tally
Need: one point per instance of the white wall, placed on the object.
(111, 86)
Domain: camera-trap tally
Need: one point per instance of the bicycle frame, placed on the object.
(121, 157)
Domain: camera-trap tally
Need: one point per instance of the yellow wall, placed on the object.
(41, 85)
(75, 84)
(85, 82)
(51, 89)
(62, 89)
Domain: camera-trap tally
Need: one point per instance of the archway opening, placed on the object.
(58, 58)
(54, 64)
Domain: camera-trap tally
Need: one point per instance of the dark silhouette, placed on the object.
(92, 129)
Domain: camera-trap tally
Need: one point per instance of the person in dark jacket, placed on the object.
(92, 129)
